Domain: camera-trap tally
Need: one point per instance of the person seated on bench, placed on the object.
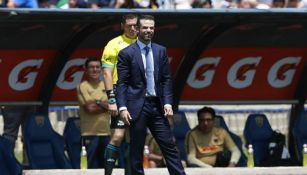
(209, 146)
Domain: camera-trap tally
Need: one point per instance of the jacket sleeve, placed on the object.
(166, 80)
(123, 71)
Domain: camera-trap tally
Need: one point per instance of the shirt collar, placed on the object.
(142, 45)
(128, 39)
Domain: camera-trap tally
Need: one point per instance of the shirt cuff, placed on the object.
(122, 108)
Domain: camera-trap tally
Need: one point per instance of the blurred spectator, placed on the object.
(22, 4)
(2, 3)
(156, 4)
(46, 4)
(94, 4)
(247, 4)
(264, 4)
(293, 3)
(182, 4)
(130, 4)
(278, 3)
(209, 146)
(303, 4)
(125, 4)
(165, 4)
(63, 4)
(202, 4)
(225, 4)
(73, 4)
(153, 4)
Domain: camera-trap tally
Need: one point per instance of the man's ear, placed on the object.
(84, 69)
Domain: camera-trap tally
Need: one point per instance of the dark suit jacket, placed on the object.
(131, 85)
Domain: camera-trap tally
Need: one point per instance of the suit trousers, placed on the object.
(95, 148)
(152, 116)
(13, 118)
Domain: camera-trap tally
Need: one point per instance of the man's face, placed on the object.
(130, 29)
(72, 3)
(146, 30)
(278, 5)
(206, 122)
(93, 70)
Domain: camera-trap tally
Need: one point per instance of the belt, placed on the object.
(152, 98)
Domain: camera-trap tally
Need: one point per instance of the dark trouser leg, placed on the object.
(103, 143)
(13, 118)
(160, 129)
(127, 158)
(95, 147)
(91, 144)
(137, 141)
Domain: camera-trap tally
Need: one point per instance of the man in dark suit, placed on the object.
(145, 97)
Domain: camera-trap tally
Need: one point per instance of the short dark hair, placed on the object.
(90, 59)
(206, 110)
(128, 16)
(145, 17)
(282, 1)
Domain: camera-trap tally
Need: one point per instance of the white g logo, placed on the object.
(242, 73)
(71, 74)
(282, 72)
(24, 74)
(203, 72)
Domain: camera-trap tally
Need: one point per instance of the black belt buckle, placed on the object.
(152, 98)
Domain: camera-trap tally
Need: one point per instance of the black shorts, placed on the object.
(116, 123)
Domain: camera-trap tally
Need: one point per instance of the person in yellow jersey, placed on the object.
(109, 62)
(209, 146)
(94, 116)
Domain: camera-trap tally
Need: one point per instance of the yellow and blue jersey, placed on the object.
(110, 54)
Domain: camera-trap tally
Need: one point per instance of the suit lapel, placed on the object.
(156, 58)
(138, 57)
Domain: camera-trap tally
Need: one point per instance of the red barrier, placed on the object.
(247, 55)
(236, 73)
(246, 74)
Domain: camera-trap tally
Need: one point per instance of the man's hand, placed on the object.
(168, 111)
(93, 107)
(125, 116)
(113, 110)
